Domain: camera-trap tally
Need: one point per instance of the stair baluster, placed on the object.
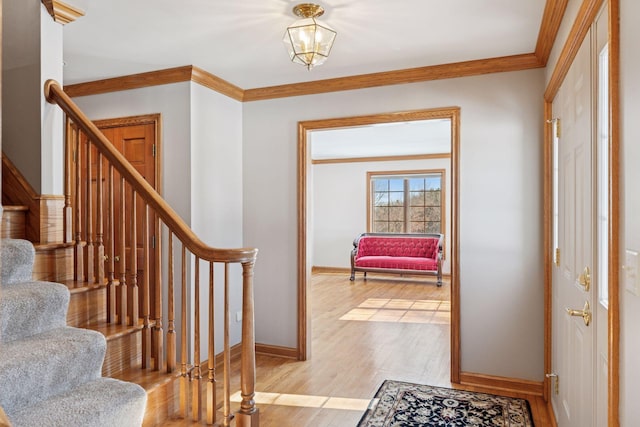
(158, 334)
(123, 256)
(116, 243)
(226, 358)
(79, 250)
(211, 378)
(146, 331)
(133, 263)
(171, 333)
(90, 253)
(184, 378)
(196, 376)
(111, 252)
(68, 173)
(99, 271)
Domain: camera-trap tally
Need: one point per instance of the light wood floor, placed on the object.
(363, 333)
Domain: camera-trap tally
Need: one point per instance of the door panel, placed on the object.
(573, 340)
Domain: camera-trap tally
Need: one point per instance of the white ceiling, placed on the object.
(241, 40)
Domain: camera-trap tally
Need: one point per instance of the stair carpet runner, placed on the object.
(50, 374)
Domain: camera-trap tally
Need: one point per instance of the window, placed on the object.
(603, 177)
(406, 203)
(556, 197)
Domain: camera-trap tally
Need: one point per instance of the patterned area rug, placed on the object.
(400, 404)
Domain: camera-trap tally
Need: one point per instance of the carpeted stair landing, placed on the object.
(50, 374)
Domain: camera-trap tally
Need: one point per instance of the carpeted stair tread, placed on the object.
(50, 374)
(16, 258)
(31, 308)
(99, 403)
(58, 360)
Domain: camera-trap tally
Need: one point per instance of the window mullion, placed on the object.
(407, 208)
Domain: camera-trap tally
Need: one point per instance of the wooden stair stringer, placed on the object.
(14, 221)
(44, 217)
(54, 262)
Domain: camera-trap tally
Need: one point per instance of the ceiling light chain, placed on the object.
(308, 40)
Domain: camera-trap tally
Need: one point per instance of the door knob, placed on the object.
(585, 313)
(585, 279)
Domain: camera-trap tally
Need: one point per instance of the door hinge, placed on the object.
(556, 259)
(153, 149)
(153, 241)
(556, 383)
(555, 122)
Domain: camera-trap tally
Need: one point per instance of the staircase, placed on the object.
(84, 307)
(103, 319)
(51, 373)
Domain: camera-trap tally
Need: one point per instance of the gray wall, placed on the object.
(500, 208)
(33, 128)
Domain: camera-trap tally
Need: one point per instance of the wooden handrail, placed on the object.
(128, 226)
(56, 95)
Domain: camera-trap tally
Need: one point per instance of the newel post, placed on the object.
(247, 415)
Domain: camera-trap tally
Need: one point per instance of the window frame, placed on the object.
(371, 175)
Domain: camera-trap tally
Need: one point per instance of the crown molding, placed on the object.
(156, 78)
(551, 19)
(206, 79)
(410, 75)
(217, 84)
(62, 12)
(133, 81)
(586, 16)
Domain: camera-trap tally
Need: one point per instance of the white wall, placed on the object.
(500, 208)
(630, 224)
(340, 206)
(216, 195)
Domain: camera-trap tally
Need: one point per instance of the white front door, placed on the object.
(574, 339)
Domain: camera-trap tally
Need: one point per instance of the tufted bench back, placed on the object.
(398, 246)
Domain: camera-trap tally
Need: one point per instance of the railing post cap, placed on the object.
(47, 90)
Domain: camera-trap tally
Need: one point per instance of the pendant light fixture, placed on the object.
(308, 40)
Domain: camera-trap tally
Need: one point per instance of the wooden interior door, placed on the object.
(574, 339)
(136, 139)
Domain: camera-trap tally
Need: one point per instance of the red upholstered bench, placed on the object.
(397, 253)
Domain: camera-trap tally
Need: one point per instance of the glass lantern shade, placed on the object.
(309, 42)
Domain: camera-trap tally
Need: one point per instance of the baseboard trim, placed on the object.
(278, 351)
(320, 269)
(533, 388)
